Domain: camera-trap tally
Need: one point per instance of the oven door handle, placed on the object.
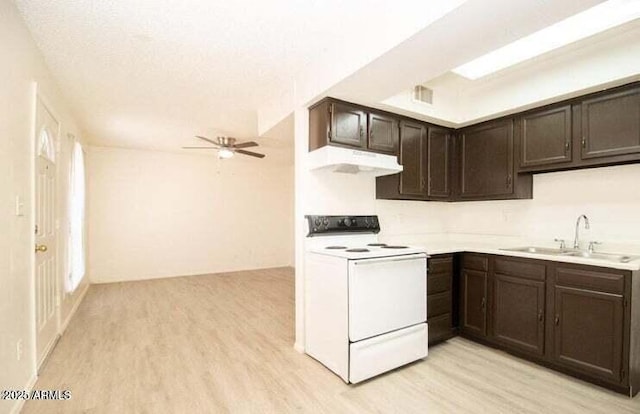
(417, 256)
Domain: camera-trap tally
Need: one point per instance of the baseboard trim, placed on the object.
(74, 308)
(156, 277)
(19, 405)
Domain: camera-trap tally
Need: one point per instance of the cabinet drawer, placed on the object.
(525, 269)
(439, 327)
(438, 304)
(582, 278)
(475, 262)
(441, 264)
(437, 283)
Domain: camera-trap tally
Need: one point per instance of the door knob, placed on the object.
(41, 248)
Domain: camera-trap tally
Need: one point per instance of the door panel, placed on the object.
(611, 125)
(545, 137)
(348, 125)
(588, 331)
(386, 294)
(438, 163)
(474, 302)
(518, 313)
(383, 133)
(47, 284)
(412, 156)
(487, 160)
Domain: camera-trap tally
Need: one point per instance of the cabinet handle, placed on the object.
(557, 320)
(484, 304)
(567, 146)
(361, 132)
(422, 182)
(540, 316)
(584, 142)
(509, 179)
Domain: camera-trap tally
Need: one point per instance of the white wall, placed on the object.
(22, 65)
(158, 214)
(609, 196)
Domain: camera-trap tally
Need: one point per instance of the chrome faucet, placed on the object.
(576, 241)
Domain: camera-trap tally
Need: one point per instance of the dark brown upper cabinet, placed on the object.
(486, 157)
(544, 138)
(348, 125)
(439, 149)
(611, 124)
(338, 123)
(412, 158)
(383, 133)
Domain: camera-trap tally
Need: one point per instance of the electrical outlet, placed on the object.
(19, 349)
(19, 206)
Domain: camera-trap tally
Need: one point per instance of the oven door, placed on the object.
(386, 294)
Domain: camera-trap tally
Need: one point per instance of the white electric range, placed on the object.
(365, 301)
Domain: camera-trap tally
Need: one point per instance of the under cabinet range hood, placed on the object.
(352, 161)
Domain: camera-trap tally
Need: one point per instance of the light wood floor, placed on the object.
(224, 343)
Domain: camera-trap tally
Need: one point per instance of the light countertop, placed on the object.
(495, 245)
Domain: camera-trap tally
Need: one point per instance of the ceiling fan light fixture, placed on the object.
(225, 153)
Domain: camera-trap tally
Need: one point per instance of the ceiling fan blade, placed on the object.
(208, 140)
(214, 148)
(246, 144)
(252, 154)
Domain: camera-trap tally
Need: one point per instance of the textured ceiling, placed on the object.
(152, 73)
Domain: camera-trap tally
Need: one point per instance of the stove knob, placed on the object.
(318, 222)
(347, 222)
(326, 221)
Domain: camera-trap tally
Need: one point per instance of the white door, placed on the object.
(46, 281)
(386, 294)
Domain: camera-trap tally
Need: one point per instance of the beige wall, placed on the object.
(159, 214)
(22, 65)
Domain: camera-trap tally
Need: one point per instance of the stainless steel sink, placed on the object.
(608, 257)
(538, 250)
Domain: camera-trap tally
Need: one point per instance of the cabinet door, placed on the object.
(348, 125)
(438, 163)
(518, 313)
(474, 302)
(545, 137)
(486, 157)
(412, 158)
(588, 331)
(611, 124)
(383, 133)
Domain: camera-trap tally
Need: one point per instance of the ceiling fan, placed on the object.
(227, 147)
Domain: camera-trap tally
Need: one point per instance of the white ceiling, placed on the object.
(152, 73)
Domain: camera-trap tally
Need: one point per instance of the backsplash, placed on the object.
(609, 196)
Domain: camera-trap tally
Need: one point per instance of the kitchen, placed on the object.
(418, 237)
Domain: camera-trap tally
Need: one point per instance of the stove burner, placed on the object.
(377, 244)
(395, 247)
(335, 247)
(359, 250)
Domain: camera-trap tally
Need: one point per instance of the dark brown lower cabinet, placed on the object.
(581, 320)
(440, 298)
(473, 295)
(518, 313)
(589, 322)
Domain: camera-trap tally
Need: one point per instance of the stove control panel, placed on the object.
(326, 225)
